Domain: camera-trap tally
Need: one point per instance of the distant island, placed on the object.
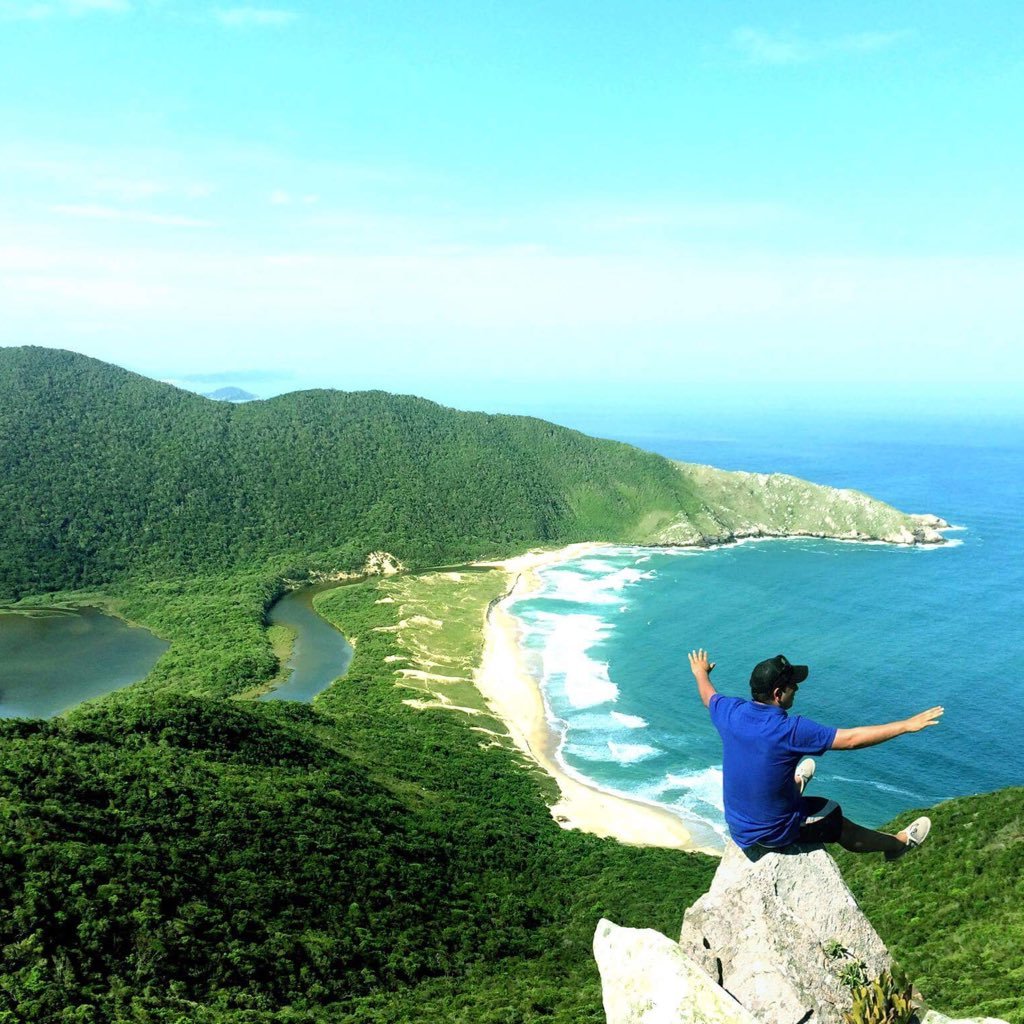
(231, 394)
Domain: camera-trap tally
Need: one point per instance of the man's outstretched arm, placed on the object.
(869, 735)
(701, 668)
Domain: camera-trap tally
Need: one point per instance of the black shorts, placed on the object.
(824, 821)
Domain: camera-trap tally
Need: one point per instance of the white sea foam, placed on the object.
(883, 786)
(588, 684)
(567, 665)
(705, 830)
(629, 721)
(593, 565)
(563, 584)
(631, 753)
(703, 786)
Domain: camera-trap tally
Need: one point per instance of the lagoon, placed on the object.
(52, 659)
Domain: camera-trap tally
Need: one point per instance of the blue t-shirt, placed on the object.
(761, 747)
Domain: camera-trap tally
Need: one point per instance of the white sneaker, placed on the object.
(805, 772)
(917, 833)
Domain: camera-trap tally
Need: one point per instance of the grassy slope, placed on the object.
(741, 504)
(441, 641)
(953, 912)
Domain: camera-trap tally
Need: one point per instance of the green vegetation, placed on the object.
(441, 632)
(887, 999)
(105, 475)
(756, 504)
(953, 913)
(171, 857)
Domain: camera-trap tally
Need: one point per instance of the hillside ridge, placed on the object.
(108, 475)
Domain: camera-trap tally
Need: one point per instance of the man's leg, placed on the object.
(826, 823)
(858, 839)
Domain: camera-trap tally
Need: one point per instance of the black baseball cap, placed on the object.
(774, 673)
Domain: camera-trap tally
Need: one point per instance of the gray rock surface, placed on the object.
(646, 978)
(781, 932)
(778, 939)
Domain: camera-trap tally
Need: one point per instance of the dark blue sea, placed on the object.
(887, 631)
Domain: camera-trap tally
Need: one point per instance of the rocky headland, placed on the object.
(736, 505)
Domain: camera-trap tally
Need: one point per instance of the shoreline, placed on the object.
(514, 695)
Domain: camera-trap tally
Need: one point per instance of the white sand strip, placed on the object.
(515, 697)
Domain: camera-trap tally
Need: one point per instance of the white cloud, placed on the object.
(258, 17)
(19, 10)
(774, 48)
(95, 211)
(89, 6)
(280, 197)
(714, 216)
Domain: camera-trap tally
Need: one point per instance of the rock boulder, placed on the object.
(782, 933)
(646, 978)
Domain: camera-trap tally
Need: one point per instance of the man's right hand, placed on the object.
(924, 719)
(700, 663)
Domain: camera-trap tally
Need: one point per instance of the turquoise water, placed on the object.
(887, 631)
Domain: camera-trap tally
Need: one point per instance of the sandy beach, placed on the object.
(514, 695)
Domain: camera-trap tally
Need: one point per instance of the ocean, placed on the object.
(887, 631)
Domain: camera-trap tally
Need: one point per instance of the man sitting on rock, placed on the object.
(764, 776)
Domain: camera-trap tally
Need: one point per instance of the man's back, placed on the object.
(761, 746)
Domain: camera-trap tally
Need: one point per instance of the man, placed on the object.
(764, 776)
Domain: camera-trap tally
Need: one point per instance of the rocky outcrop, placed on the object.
(934, 1017)
(780, 931)
(646, 978)
(736, 505)
(381, 563)
(378, 563)
(778, 939)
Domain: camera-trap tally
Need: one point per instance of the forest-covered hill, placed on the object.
(170, 855)
(167, 859)
(105, 474)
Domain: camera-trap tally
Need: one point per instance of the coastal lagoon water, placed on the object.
(320, 654)
(887, 631)
(51, 660)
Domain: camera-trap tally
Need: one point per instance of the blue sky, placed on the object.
(524, 206)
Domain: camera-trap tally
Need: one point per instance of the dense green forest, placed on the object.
(174, 858)
(105, 474)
